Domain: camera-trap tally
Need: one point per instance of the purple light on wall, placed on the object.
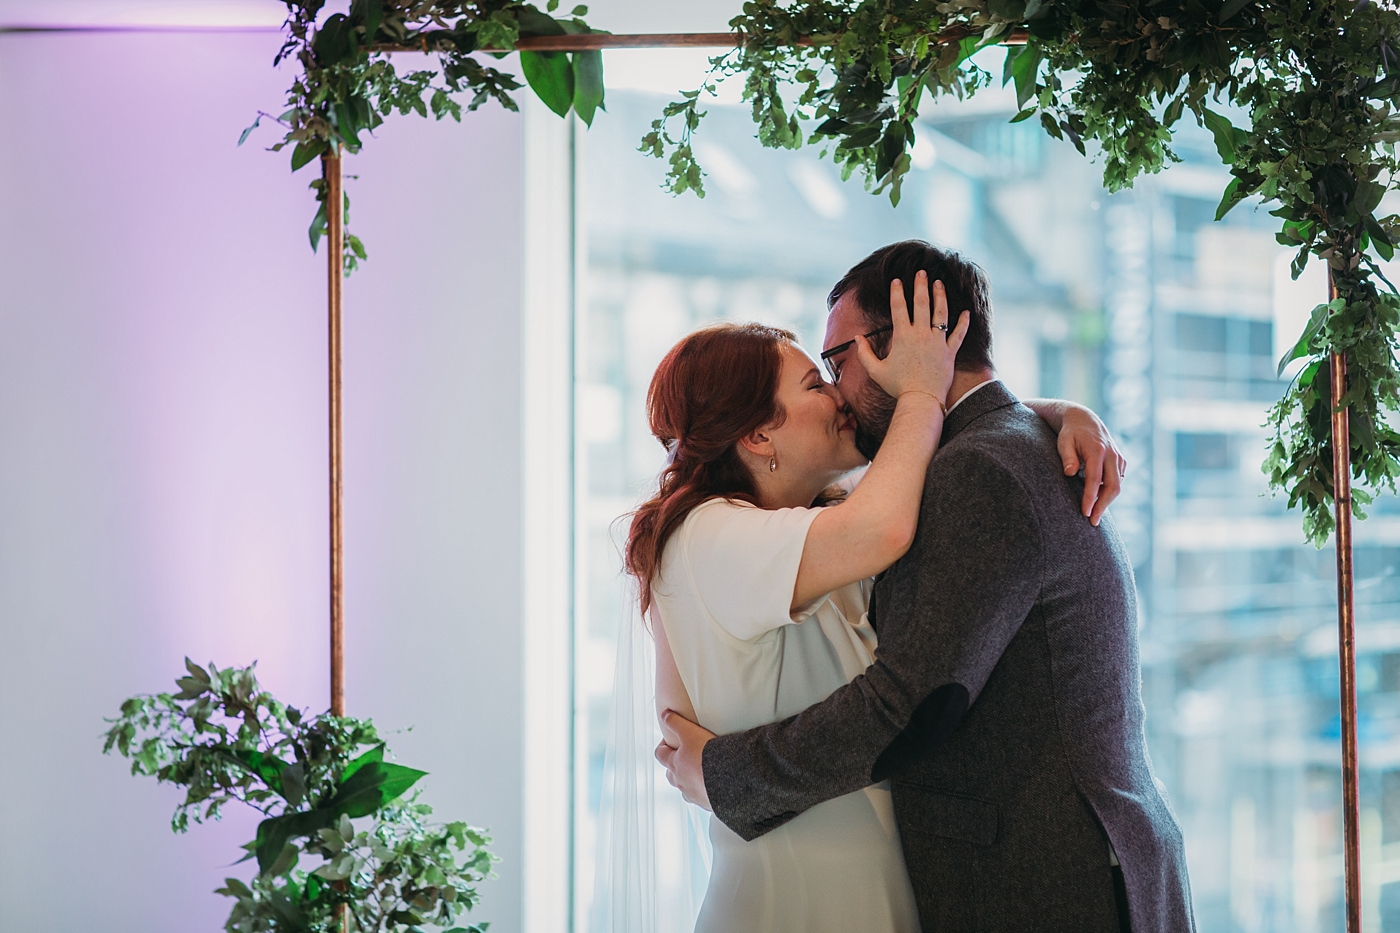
(163, 452)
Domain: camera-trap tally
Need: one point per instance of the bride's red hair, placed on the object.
(716, 386)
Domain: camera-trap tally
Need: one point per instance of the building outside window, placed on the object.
(1138, 304)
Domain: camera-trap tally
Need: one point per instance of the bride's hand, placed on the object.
(684, 760)
(1085, 443)
(922, 350)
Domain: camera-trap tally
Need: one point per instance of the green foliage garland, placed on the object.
(223, 739)
(348, 85)
(1319, 79)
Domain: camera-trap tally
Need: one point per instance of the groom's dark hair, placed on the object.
(868, 282)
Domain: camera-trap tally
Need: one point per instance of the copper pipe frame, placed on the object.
(335, 258)
(589, 42)
(1346, 629)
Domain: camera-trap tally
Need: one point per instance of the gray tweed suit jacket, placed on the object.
(1004, 705)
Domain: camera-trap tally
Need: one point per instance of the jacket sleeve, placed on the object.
(946, 612)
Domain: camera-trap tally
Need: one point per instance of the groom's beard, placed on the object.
(874, 409)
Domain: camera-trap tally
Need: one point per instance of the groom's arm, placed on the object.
(946, 613)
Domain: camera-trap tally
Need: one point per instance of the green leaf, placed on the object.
(293, 781)
(331, 840)
(1228, 138)
(374, 754)
(305, 151)
(372, 786)
(971, 45)
(190, 688)
(338, 868)
(1300, 262)
(1368, 196)
(588, 84)
(551, 76)
(318, 227)
(233, 887)
(285, 861)
(1173, 112)
(267, 767)
(370, 13)
(1234, 194)
(1013, 52)
(892, 146)
(1024, 70)
(241, 140)
(348, 123)
(274, 833)
(1309, 373)
(1303, 347)
(335, 41)
(534, 23)
(1385, 247)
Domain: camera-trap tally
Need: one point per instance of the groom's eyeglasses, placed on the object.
(829, 357)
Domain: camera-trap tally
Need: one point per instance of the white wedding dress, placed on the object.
(723, 595)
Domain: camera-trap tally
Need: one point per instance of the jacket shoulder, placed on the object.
(998, 445)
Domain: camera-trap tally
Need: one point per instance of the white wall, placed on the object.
(162, 455)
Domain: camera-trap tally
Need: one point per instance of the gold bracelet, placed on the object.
(941, 406)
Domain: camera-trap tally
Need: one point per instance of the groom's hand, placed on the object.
(680, 752)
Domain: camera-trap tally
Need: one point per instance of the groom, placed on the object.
(1003, 705)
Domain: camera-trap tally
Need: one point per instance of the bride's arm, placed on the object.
(875, 525)
(670, 689)
(1085, 442)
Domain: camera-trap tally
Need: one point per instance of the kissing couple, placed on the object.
(915, 703)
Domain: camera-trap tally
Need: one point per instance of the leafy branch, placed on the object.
(348, 85)
(855, 77)
(223, 739)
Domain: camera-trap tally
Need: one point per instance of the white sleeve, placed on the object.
(744, 561)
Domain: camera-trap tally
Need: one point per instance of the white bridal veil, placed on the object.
(653, 847)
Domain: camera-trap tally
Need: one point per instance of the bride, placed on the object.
(755, 573)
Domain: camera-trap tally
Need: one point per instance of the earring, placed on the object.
(772, 464)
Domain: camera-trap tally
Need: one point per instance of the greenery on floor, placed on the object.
(325, 790)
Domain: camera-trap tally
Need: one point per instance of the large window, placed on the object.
(1137, 304)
